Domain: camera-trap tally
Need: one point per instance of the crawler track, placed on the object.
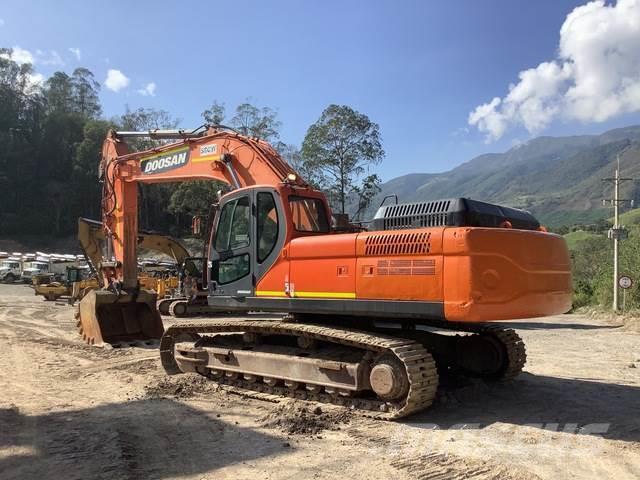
(418, 363)
(516, 352)
(514, 348)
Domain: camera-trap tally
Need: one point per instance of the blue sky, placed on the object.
(418, 68)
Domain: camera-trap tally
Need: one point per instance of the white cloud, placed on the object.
(53, 58)
(1, 22)
(148, 90)
(460, 132)
(116, 80)
(20, 55)
(595, 77)
(76, 52)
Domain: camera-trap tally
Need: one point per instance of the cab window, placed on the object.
(73, 275)
(233, 269)
(233, 227)
(267, 230)
(232, 234)
(308, 214)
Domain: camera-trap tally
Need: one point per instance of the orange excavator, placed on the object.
(371, 318)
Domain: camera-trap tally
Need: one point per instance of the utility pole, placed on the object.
(617, 232)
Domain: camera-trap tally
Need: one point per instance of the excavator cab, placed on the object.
(250, 232)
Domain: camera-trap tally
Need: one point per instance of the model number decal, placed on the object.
(208, 149)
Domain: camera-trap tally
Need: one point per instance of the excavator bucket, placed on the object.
(119, 320)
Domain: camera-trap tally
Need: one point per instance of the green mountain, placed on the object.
(574, 238)
(631, 217)
(558, 179)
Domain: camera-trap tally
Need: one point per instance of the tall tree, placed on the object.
(342, 145)
(214, 115)
(143, 119)
(365, 192)
(85, 168)
(85, 93)
(193, 198)
(21, 117)
(248, 119)
(257, 122)
(59, 92)
(293, 156)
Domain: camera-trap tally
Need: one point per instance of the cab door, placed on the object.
(231, 256)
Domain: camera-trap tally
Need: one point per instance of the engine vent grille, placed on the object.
(416, 215)
(451, 212)
(397, 244)
(407, 267)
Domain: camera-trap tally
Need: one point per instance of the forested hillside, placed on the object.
(50, 139)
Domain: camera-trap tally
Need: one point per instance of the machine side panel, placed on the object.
(323, 266)
(400, 265)
(502, 274)
(274, 283)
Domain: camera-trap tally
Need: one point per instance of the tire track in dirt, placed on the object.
(442, 466)
(26, 328)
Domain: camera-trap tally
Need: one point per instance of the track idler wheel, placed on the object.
(494, 354)
(178, 308)
(388, 379)
(167, 351)
(163, 305)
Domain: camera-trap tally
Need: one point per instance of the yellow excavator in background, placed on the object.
(75, 285)
(91, 237)
(172, 294)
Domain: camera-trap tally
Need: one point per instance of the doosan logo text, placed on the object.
(165, 162)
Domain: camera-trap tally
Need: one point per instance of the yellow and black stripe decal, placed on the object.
(271, 293)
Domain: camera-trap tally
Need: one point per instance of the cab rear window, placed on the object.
(308, 214)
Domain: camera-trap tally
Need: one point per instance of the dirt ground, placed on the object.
(75, 412)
